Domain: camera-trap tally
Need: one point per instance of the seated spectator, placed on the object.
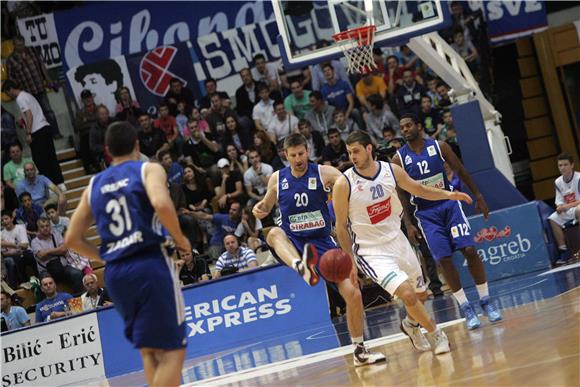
(39, 188)
(14, 169)
(29, 213)
(446, 126)
(263, 112)
(202, 150)
(85, 120)
(380, 61)
(201, 122)
(216, 117)
(320, 113)
(247, 94)
(282, 124)
(343, 124)
(250, 229)
(393, 76)
(256, 177)
(193, 268)
(388, 135)
(211, 88)
(231, 188)
(55, 305)
(177, 92)
(370, 84)
(430, 117)
(567, 203)
(236, 258)
(236, 134)
(151, 139)
(181, 118)
(58, 223)
(267, 73)
(127, 109)
(334, 152)
(297, 103)
(432, 91)
(410, 60)
(51, 256)
(444, 98)
(465, 48)
(195, 196)
(16, 254)
(280, 160)
(303, 76)
(97, 136)
(168, 125)
(408, 95)
(337, 92)
(314, 141)
(319, 78)
(94, 297)
(379, 117)
(224, 224)
(173, 169)
(14, 316)
(237, 160)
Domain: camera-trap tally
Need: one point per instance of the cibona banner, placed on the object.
(510, 242)
(232, 312)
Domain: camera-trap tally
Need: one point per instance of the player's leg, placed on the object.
(286, 251)
(164, 366)
(558, 233)
(149, 364)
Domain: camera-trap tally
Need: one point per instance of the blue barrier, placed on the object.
(510, 243)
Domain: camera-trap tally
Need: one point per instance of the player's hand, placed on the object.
(258, 211)
(413, 233)
(481, 207)
(354, 275)
(457, 195)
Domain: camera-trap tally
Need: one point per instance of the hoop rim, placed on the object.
(358, 33)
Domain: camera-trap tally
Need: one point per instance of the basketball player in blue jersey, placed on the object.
(443, 223)
(301, 191)
(130, 204)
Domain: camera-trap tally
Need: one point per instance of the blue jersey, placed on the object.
(302, 201)
(124, 216)
(426, 168)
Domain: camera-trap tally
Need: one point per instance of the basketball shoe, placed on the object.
(306, 267)
(417, 337)
(470, 317)
(439, 341)
(491, 311)
(362, 356)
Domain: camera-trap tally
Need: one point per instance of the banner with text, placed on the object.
(510, 242)
(39, 32)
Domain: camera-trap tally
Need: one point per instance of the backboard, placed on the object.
(306, 27)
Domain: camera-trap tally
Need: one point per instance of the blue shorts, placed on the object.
(445, 228)
(149, 300)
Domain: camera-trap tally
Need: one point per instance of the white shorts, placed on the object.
(397, 264)
(563, 217)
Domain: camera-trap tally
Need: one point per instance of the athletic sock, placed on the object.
(460, 296)
(410, 321)
(563, 247)
(356, 341)
(482, 290)
(295, 263)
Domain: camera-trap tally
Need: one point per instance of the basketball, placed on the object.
(335, 265)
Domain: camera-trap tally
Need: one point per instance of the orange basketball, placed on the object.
(335, 265)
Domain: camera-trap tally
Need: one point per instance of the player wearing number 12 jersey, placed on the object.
(130, 204)
(444, 225)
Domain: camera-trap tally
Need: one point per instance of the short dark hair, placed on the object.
(279, 102)
(441, 83)
(162, 154)
(389, 129)
(143, 113)
(45, 276)
(15, 143)
(566, 156)
(7, 212)
(376, 100)
(327, 64)
(317, 95)
(259, 56)
(120, 137)
(8, 85)
(6, 294)
(173, 80)
(359, 136)
(295, 139)
(50, 206)
(332, 131)
(304, 122)
(210, 80)
(261, 87)
(163, 105)
(23, 195)
(427, 96)
(377, 51)
(411, 116)
(393, 57)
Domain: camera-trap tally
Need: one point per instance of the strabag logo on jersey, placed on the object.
(379, 211)
(431, 150)
(435, 181)
(236, 309)
(307, 221)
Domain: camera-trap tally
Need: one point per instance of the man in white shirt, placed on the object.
(282, 124)
(256, 177)
(267, 73)
(15, 252)
(263, 112)
(38, 132)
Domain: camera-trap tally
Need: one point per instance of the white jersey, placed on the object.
(374, 210)
(567, 192)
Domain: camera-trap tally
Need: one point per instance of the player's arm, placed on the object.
(465, 177)
(329, 175)
(161, 201)
(80, 222)
(264, 206)
(426, 192)
(340, 201)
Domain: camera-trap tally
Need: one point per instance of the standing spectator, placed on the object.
(370, 84)
(231, 188)
(256, 177)
(58, 223)
(94, 296)
(266, 73)
(85, 120)
(303, 76)
(224, 224)
(394, 74)
(29, 213)
(338, 93)
(408, 95)
(39, 187)
(151, 139)
(465, 48)
(235, 258)
(282, 124)
(237, 160)
(26, 69)
(430, 117)
(193, 269)
(173, 169)
(55, 305)
(14, 169)
(202, 150)
(14, 316)
(334, 153)
(38, 133)
(50, 253)
(97, 135)
(314, 140)
(127, 108)
(236, 134)
(211, 88)
(247, 94)
(263, 112)
(379, 117)
(297, 103)
(320, 113)
(343, 124)
(177, 92)
(319, 78)
(16, 254)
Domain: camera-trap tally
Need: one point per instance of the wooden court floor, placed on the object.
(537, 344)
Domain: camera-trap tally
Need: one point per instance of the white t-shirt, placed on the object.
(17, 235)
(241, 231)
(567, 192)
(283, 129)
(252, 178)
(272, 74)
(264, 112)
(26, 102)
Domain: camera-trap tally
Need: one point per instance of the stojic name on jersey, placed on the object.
(114, 186)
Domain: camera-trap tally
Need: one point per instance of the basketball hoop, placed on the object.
(357, 45)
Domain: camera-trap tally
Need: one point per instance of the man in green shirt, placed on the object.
(14, 169)
(298, 102)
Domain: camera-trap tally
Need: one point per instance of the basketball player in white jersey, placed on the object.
(368, 226)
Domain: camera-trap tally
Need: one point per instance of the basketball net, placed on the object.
(357, 45)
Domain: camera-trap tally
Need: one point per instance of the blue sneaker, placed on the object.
(491, 311)
(470, 317)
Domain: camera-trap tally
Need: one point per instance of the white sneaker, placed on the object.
(362, 356)
(417, 337)
(439, 341)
